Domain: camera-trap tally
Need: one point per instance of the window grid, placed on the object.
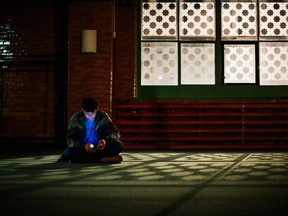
(241, 21)
(273, 20)
(159, 20)
(197, 20)
(197, 64)
(159, 63)
(239, 64)
(273, 63)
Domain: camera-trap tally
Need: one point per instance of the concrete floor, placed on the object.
(147, 183)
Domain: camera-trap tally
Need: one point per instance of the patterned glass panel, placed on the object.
(197, 64)
(239, 63)
(197, 19)
(239, 20)
(274, 63)
(159, 19)
(159, 63)
(274, 20)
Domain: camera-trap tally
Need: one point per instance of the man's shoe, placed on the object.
(113, 159)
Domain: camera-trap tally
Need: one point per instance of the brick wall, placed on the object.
(125, 53)
(90, 73)
(29, 84)
(27, 72)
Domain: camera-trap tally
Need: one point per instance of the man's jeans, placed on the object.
(77, 155)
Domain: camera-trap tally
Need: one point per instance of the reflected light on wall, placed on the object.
(89, 41)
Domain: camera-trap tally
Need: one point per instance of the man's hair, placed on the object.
(89, 104)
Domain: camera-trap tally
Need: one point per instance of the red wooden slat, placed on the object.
(204, 123)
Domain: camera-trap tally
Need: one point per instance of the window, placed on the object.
(208, 46)
(197, 63)
(239, 20)
(239, 63)
(159, 63)
(273, 63)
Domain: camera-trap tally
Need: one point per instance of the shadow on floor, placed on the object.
(146, 183)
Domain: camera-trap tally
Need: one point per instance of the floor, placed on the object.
(147, 183)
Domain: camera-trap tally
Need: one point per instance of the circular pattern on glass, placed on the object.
(159, 64)
(197, 64)
(273, 63)
(197, 19)
(158, 19)
(273, 19)
(239, 64)
(238, 19)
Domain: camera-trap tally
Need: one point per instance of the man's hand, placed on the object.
(90, 148)
(101, 145)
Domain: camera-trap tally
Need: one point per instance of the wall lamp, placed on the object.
(89, 41)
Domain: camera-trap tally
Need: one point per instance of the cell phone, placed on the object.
(92, 146)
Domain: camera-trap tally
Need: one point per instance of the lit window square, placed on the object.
(197, 19)
(159, 19)
(239, 20)
(273, 20)
(239, 64)
(197, 64)
(273, 63)
(159, 63)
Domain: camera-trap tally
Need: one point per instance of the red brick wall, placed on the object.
(90, 74)
(27, 91)
(125, 53)
(27, 72)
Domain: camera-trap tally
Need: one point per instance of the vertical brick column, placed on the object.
(90, 74)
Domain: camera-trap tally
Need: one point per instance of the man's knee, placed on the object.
(113, 148)
(118, 146)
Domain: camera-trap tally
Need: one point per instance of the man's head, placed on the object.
(89, 107)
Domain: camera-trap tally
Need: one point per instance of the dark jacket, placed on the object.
(104, 128)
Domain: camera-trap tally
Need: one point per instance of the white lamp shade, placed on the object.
(89, 41)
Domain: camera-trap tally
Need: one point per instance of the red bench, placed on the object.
(202, 125)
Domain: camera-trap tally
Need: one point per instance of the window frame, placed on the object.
(220, 90)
